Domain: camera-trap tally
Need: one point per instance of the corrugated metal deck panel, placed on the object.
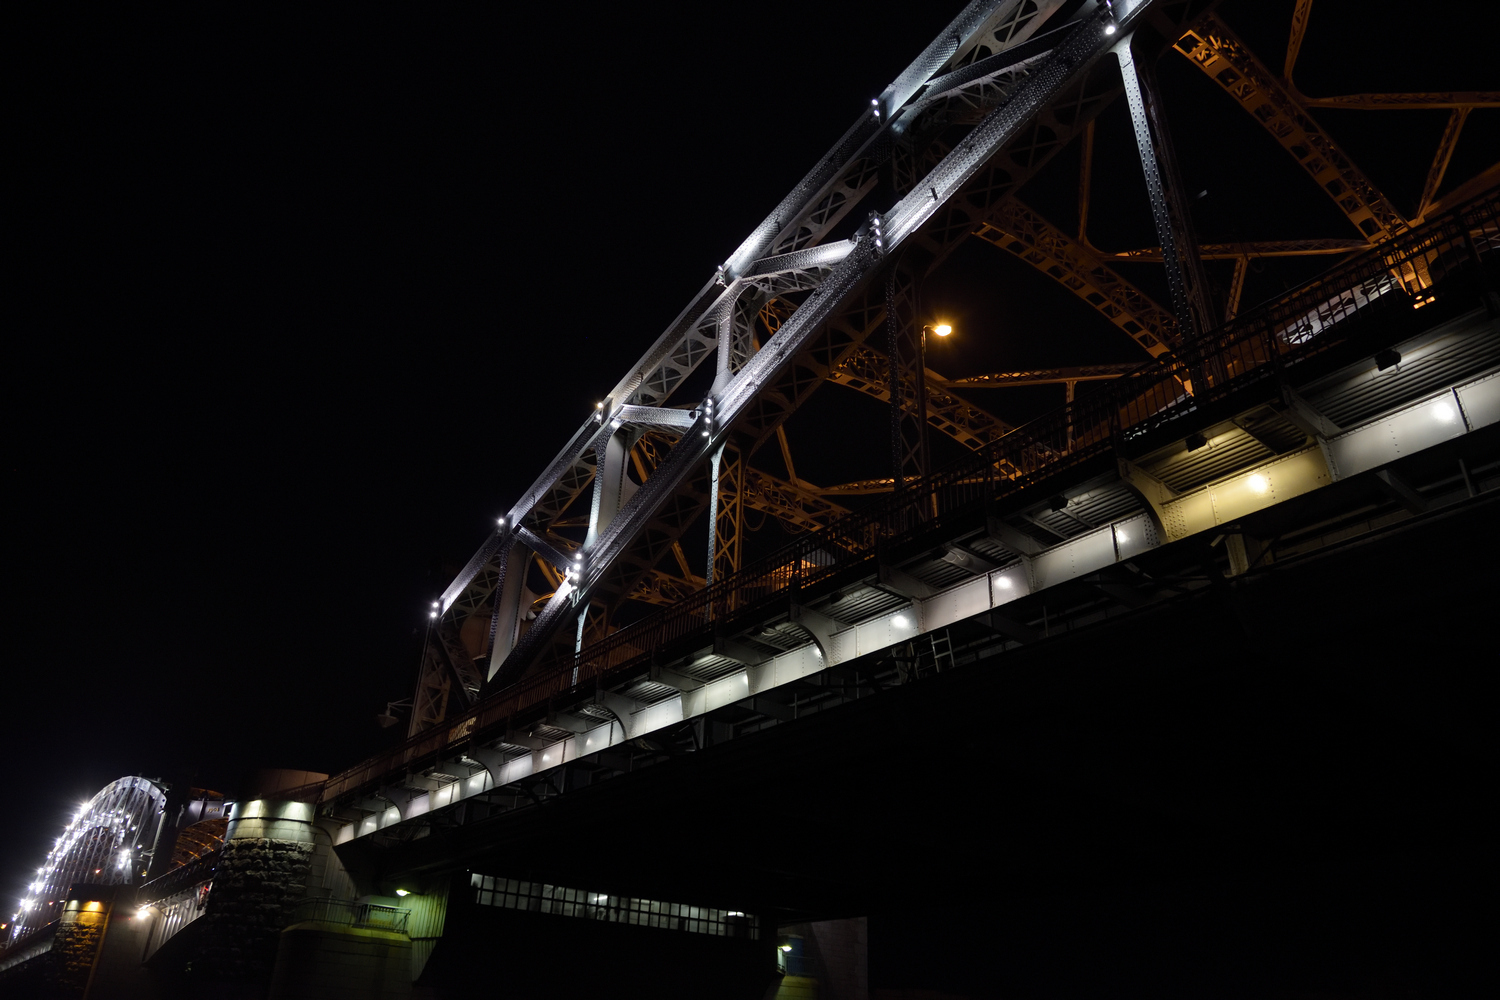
(1449, 354)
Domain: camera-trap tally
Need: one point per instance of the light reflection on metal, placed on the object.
(1226, 60)
(110, 840)
(1017, 229)
(1440, 159)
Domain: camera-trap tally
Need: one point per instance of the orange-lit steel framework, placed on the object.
(464, 644)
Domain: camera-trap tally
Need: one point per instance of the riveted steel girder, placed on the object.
(846, 280)
(1226, 60)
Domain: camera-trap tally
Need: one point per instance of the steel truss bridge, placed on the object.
(1244, 438)
(1245, 443)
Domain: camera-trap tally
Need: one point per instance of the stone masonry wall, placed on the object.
(257, 884)
(63, 972)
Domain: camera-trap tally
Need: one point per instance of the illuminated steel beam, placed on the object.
(867, 370)
(967, 99)
(905, 342)
(847, 283)
(693, 334)
(1226, 60)
(1236, 288)
(1467, 191)
(846, 174)
(1456, 100)
(981, 30)
(1044, 376)
(727, 514)
(800, 507)
(1300, 14)
(1024, 233)
(1174, 226)
(861, 487)
(664, 589)
(1440, 160)
(1033, 146)
(1264, 248)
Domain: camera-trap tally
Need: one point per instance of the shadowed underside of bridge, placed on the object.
(1217, 620)
(1308, 742)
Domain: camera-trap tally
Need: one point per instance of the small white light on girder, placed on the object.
(143, 913)
(598, 406)
(500, 521)
(900, 621)
(432, 614)
(1109, 29)
(434, 603)
(705, 433)
(1258, 483)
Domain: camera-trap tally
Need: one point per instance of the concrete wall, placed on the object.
(322, 961)
(834, 959)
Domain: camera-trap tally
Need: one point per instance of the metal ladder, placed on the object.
(942, 650)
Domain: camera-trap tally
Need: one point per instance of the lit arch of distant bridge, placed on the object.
(103, 844)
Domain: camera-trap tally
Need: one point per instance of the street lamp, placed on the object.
(937, 330)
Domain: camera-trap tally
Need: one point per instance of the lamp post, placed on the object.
(906, 330)
(937, 330)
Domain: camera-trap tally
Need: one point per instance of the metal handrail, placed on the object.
(1376, 291)
(200, 869)
(348, 913)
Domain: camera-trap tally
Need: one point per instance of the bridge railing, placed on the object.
(200, 869)
(1360, 300)
(348, 913)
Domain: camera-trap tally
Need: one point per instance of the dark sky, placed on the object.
(311, 300)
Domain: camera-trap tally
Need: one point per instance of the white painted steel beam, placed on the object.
(717, 295)
(1440, 417)
(1084, 44)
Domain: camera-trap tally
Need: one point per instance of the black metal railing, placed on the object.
(200, 869)
(347, 913)
(1376, 295)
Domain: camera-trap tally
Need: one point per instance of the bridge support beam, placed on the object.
(505, 618)
(1136, 53)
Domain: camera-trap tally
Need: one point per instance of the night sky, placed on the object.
(309, 301)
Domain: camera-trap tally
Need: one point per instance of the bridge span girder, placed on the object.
(1288, 472)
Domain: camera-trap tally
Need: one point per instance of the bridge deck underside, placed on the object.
(1061, 556)
(1323, 711)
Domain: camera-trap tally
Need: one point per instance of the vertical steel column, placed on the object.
(724, 324)
(729, 515)
(611, 486)
(714, 461)
(1179, 246)
(429, 702)
(505, 615)
(908, 384)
